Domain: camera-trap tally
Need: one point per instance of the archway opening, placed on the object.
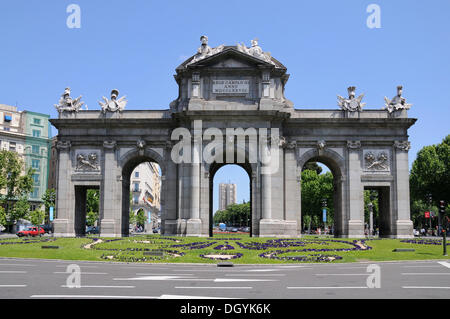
(230, 199)
(141, 196)
(377, 214)
(320, 198)
(87, 208)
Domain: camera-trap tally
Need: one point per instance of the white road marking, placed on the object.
(18, 265)
(12, 272)
(214, 287)
(93, 296)
(188, 297)
(259, 275)
(425, 273)
(129, 287)
(425, 287)
(343, 274)
(444, 263)
(12, 286)
(82, 273)
(326, 287)
(180, 278)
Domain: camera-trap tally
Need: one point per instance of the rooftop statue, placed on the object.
(113, 105)
(205, 50)
(397, 103)
(67, 104)
(256, 51)
(353, 103)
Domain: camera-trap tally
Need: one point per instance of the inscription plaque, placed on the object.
(230, 86)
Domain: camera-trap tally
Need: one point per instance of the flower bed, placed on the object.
(310, 258)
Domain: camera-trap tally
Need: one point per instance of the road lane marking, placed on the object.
(81, 273)
(129, 287)
(189, 297)
(12, 286)
(445, 264)
(425, 287)
(327, 287)
(93, 297)
(425, 273)
(12, 272)
(342, 274)
(180, 278)
(213, 287)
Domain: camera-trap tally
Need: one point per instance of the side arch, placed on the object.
(337, 164)
(128, 162)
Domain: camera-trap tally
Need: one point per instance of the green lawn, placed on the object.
(156, 248)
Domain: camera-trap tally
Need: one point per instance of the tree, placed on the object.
(91, 218)
(235, 214)
(140, 217)
(316, 187)
(430, 173)
(49, 199)
(15, 186)
(37, 217)
(313, 166)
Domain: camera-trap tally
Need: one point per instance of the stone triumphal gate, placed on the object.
(232, 89)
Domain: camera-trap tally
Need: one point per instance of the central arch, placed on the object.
(213, 168)
(129, 162)
(336, 164)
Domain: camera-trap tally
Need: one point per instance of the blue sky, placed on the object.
(135, 46)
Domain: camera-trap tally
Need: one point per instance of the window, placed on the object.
(36, 133)
(136, 174)
(35, 149)
(136, 199)
(12, 146)
(35, 178)
(35, 193)
(35, 164)
(136, 187)
(8, 117)
(7, 129)
(37, 121)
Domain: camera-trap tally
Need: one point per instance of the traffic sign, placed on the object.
(427, 214)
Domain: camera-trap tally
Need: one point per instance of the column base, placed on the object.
(63, 228)
(109, 228)
(194, 227)
(278, 228)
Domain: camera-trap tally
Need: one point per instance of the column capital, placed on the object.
(63, 145)
(402, 145)
(110, 145)
(354, 145)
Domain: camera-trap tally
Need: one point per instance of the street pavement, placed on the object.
(57, 279)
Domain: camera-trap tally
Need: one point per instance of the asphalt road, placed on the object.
(49, 279)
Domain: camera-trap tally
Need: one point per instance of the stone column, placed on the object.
(292, 196)
(111, 223)
(403, 223)
(63, 225)
(355, 191)
(193, 226)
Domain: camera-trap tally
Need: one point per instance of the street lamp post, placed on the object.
(324, 213)
(430, 201)
(370, 205)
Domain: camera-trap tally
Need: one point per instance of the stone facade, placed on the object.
(225, 91)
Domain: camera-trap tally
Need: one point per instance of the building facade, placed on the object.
(145, 190)
(227, 195)
(28, 133)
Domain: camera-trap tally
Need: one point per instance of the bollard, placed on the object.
(444, 241)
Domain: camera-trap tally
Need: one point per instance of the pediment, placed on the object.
(230, 57)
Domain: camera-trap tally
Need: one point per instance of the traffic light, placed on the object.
(442, 207)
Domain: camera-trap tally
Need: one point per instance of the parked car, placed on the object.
(156, 230)
(234, 229)
(31, 231)
(92, 230)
